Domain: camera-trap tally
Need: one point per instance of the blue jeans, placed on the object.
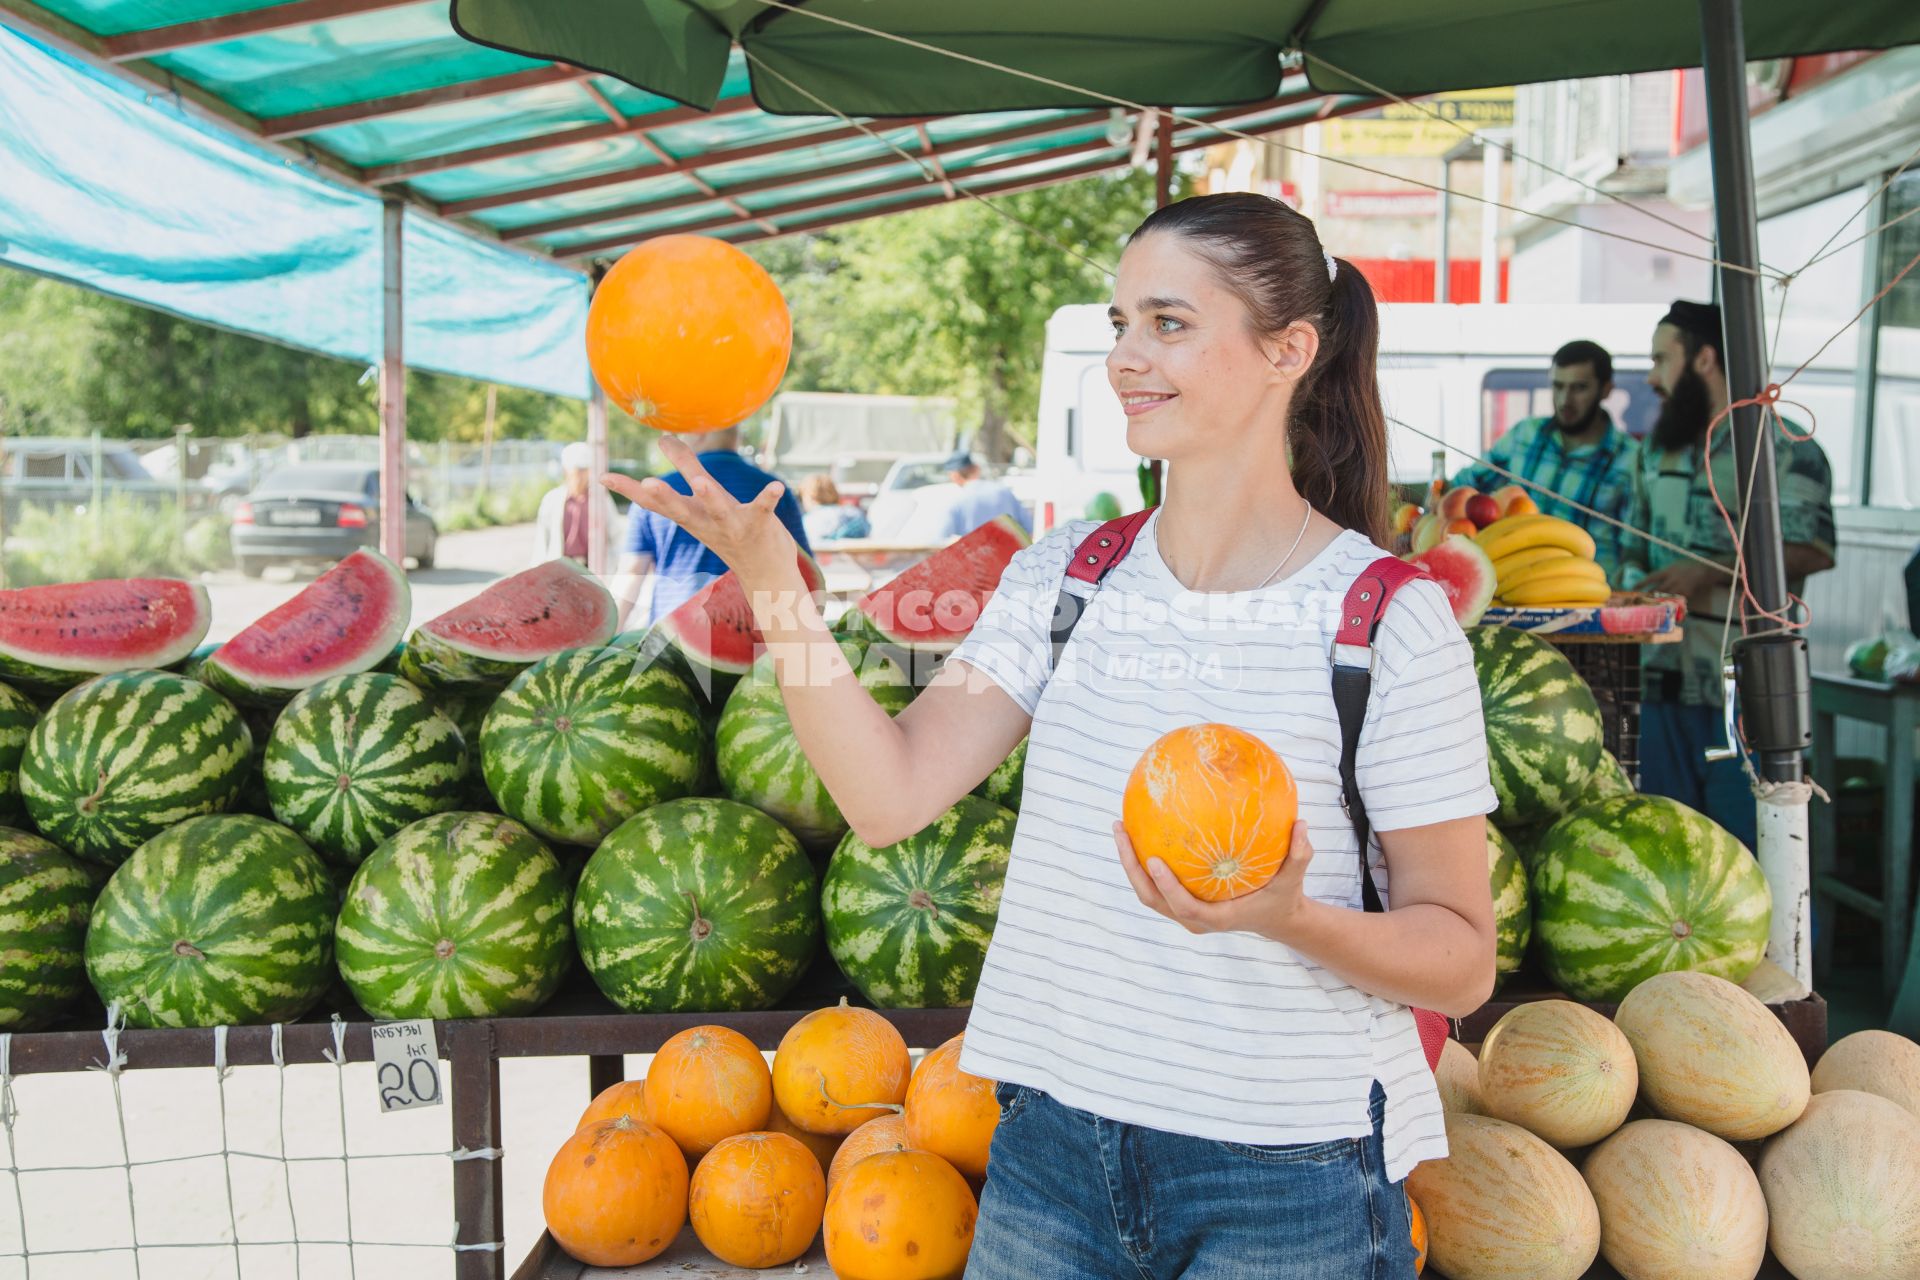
(1674, 739)
(1071, 1196)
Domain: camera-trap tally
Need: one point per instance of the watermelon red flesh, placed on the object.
(514, 623)
(1464, 572)
(346, 621)
(715, 628)
(931, 606)
(61, 634)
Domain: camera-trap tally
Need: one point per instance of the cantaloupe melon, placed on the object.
(1843, 1189)
(1504, 1205)
(1877, 1062)
(1713, 1056)
(1458, 1077)
(1675, 1201)
(1558, 1070)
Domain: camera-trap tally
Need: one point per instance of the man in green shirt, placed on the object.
(1682, 694)
(1580, 456)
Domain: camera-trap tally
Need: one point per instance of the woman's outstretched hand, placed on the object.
(747, 535)
(1267, 911)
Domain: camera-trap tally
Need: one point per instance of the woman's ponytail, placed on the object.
(1338, 435)
(1270, 255)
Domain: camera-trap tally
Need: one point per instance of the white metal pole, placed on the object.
(393, 386)
(1491, 156)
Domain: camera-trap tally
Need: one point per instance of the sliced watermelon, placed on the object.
(346, 621)
(1464, 572)
(486, 642)
(714, 629)
(57, 636)
(930, 607)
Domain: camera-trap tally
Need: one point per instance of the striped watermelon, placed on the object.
(1512, 910)
(122, 758)
(486, 642)
(583, 740)
(760, 761)
(909, 923)
(59, 635)
(221, 920)
(1609, 780)
(18, 715)
(463, 915)
(45, 895)
(1003, 785)
(1543, 726)
(697, 905)
(355, 758)
(468, 711)
(1638, 885)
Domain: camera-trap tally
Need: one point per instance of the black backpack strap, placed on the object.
(1092, 561)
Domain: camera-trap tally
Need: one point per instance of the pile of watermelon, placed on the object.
(448, 821)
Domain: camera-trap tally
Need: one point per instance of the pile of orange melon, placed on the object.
(841, 1138)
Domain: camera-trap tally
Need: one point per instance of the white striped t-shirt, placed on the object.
(1093, 998)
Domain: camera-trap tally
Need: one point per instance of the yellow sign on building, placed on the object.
(1412, 130)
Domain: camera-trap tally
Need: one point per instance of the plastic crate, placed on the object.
(1612, 671)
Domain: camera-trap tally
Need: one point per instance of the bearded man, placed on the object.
(1681, 715)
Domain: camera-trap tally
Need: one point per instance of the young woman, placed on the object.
(1214, 1091)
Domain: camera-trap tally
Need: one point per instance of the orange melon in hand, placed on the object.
(888, 1133)
(705, 1084)
(838, 1068)
(1216, 804)
(756, 1200)
(616, 1193)
(628, 1098)
(687, 333)
(1419, 1237)
(900, 1215)
(951, 1113)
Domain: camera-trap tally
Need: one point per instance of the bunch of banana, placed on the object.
(1542, 560)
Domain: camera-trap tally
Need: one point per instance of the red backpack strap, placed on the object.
(1092, 561)
(1367, 599)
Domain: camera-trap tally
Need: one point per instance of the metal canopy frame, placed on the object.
(565, 163)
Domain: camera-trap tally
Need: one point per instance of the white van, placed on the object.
(1461, 372)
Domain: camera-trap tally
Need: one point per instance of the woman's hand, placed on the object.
(1267, 911)
(748, 536)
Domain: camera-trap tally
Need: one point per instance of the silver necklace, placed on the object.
(1290, 550)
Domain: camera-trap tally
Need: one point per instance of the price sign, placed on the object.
(406, 1065)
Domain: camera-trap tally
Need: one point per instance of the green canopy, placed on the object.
(1145, 51)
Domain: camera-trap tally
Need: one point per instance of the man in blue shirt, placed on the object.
(957, 510)
(1580, 456)
(677, 563)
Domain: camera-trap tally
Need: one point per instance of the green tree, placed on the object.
(954, 300)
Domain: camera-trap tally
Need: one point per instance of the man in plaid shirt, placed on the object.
(1580, 455)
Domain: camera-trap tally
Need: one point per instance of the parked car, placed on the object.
(320, 511)
(58, 471)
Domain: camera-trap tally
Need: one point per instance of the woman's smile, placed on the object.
(1135, 403)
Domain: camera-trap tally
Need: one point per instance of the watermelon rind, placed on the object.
(1512, 908)
(461, 915)
(697, 905)
(468, 711)
(760, 760)
(356, 758)
(1634, 886)
(909, 923)
(218, 921)
(931, 606)
(1543, 727)
(344, 622)
(1003, 786)
(86, 629)
(582, 741)
(18, 715)
(123, 757)
(45, 897)
(487, 641)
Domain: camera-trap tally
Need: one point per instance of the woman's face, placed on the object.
(1192, 375)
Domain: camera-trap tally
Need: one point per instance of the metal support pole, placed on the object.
(393, 386)
(1443, 257)
(478, 1191)
(1163, 163)
(1774, 690)
(1491, 174)
(597, 442)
